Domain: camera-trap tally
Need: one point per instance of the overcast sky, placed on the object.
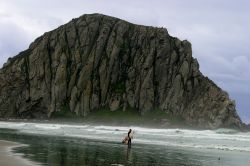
(219, 31)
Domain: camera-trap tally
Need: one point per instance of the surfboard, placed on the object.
(125, 140)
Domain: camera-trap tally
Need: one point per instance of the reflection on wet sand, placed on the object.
(68, 152)
(64, 151)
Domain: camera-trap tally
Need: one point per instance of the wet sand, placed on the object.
(7, 158)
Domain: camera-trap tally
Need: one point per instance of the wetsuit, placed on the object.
(129, 139)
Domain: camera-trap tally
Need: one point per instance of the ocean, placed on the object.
(84, 144)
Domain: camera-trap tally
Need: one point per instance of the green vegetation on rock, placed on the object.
(156, 118)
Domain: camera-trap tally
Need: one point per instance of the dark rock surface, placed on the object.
(98, 61)
(247, 127)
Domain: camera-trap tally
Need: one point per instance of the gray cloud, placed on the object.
(13, 39)
(218, 30)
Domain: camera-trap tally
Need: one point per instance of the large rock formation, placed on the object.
(99, 61)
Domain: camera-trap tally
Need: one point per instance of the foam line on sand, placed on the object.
(8, 158)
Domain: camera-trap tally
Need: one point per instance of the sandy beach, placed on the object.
(7, 158)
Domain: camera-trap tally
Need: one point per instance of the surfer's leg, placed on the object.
(129, 142)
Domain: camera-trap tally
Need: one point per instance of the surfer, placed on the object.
(129, 137)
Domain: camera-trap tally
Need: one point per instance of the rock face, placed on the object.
(99, 61)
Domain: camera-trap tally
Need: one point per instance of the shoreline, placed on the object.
(9, 158)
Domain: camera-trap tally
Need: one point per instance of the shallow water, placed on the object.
(75, 144)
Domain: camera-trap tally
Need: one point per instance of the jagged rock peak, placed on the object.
(98, 61)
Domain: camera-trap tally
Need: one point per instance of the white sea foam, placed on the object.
(221, 139)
